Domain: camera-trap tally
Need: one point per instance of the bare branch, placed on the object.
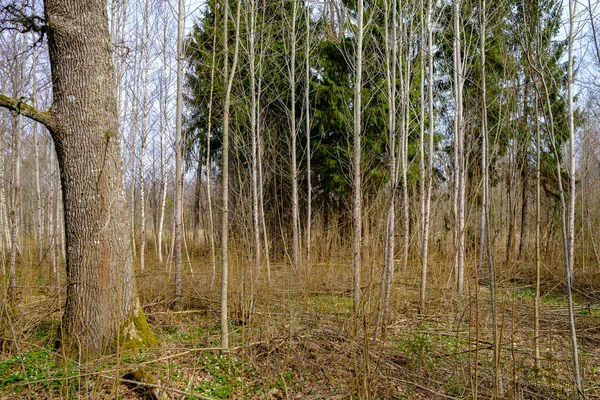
(43, 117)
(22, 18)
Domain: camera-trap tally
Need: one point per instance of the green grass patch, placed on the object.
(551, 298)
(337, 305)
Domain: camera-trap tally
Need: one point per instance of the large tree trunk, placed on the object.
(101, 300)
(102, 303)
(102, 307)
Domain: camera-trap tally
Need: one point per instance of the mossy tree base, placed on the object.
(135, 332)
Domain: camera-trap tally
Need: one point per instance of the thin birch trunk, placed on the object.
(261, 152)
(36, 149)
(178, 158)
(213, 267)
(431, 133)
(118, 23)
(228, 77)
(422, 186)
(52, 194)
(60, 221)
(404, 164)
(3, 199)
(308, 147)
(197, 223)
(356, 161)
(16, 186)
(16, 205)
(459, 174)
(563, 204)
(163, 156)
(133, 134)
(391, 65)
(485, 212)
(225, 184)
(253, 133)
(261, 202)
(402, 161)
(538, 219)
(4, 223)
(144, 134)
(293, 134)
(569, 267)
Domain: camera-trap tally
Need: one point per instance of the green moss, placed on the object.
(136, 332)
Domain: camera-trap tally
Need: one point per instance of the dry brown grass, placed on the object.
(299, 339)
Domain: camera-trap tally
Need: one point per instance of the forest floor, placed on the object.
(303, 341)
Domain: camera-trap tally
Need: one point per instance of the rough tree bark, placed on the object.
(102, 307)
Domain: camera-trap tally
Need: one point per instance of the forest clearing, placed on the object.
(286, 199)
